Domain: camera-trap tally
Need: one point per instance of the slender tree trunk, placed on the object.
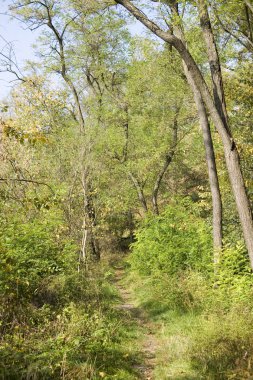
(168, 159)
(249, 5)
(158, 181)
(210, 156)
(89, 218)
(77, 101)
(124, 157)
(95, 248)
(219, 100)
(248, 11)
(230, 149)
(139, 190)
(230, 152)
(89, 222)
(212, 174)
(214, 61)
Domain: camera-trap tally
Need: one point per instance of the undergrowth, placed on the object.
(204, 315)
(56, 322)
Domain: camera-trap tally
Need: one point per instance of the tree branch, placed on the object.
(27, 181)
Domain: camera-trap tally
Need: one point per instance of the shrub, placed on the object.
(176, 240)
(30, 253)
(221, 347)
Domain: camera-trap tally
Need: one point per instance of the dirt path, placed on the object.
(149, 344)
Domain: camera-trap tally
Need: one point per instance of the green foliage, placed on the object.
(206, 311)
(175, 241)
(81, 341)
(223, 349)
(31, 252)
(56, 322)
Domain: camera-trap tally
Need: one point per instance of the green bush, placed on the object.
(30, 253)
(175, 241)
(221, 347)
(56, 322)
(175, 278)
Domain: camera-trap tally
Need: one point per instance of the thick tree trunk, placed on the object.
(230, 150)
(219, 100)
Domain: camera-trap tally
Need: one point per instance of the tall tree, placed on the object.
(208, 143)
(47, 13)
(235, 18)
(230, 149)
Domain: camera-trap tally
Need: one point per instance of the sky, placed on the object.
(22, 39)
(12, 30)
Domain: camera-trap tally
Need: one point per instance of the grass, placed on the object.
(173, 332)
(88, 338)
(175, 340)
(196, 340)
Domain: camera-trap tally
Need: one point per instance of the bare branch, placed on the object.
(8, 61)
(27, 181)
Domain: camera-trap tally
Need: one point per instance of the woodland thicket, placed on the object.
(129, 135)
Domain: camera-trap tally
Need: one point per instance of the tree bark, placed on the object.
(212, 173)
(214, 61)
(211, 166)
(209, 152)
(230, 149)
(139, 190)
(168, 159)
(158, 181)
(248, 11)
(249, 5)
(89, 221)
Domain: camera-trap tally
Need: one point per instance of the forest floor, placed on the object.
(162, 337)
(149, 342)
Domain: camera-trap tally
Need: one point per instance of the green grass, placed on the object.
(175, 340)
(196, 343)
(174, 329)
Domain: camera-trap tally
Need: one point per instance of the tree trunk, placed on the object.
(168, 159)
(158, 181)
(89, 222)
(139, 190)
(212, 169)
(210, 156)
(214, 61)
(249, 5)
(248, 12)
(212, 174)
(230, 150)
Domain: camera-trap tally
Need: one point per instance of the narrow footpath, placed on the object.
(149, 343)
